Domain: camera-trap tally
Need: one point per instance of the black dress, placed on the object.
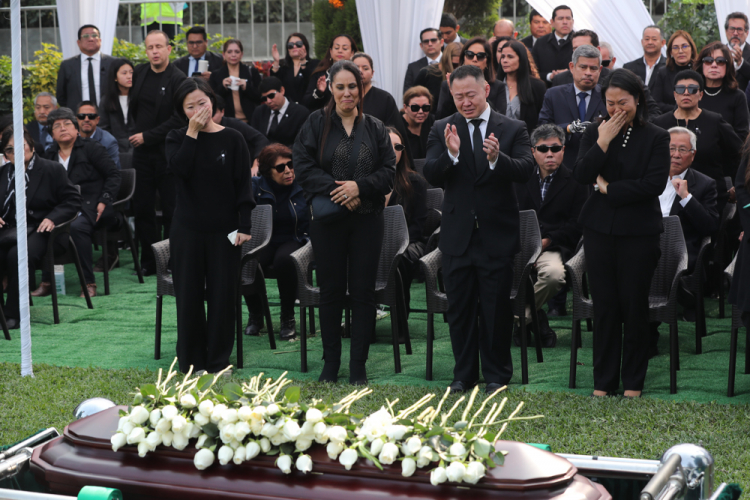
(295, 86)
(214, 198)
(663, 86)
(731, 105)
(418, 143)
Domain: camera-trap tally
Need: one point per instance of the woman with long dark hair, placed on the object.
(296, 68)
(432, 76)
(524, 94)
(237, 83)
(211, 166)
(343, 158)
(628, 159)
(114, 108)
(318, 92)
(681, 55)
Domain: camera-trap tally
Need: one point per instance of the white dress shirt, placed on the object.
(97, 62)
(193, 63)
(649, 69)
(433, 61)
(666, 199)
(485, 116)
(64, 162)
(282, 112)
(124, 106)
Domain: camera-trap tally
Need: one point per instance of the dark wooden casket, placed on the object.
(83, 456)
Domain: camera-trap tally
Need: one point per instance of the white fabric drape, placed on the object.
(390, 34)
(75, 13)
(618, 22)
(726, 7)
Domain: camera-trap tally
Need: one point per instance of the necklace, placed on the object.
(627, 136)
(705, 91)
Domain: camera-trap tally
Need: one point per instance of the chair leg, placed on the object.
(575, 332)
(700, 324)
(747, 351)
(402, 312)
(4, 323)
(303, 340)
(105, 257)
(535, 321)
(77, 262)
(394, 339)
(430, 341)
(53, 286)
(157, 341)
(312, 320)
(134, 252)
(524, 354)
(732, 362)
(589, 325)
(674, 359)
(269, 324)
(238, 333)
(347, 320)
(720, 272)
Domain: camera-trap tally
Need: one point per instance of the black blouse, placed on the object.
(731, 105)
(365, 164)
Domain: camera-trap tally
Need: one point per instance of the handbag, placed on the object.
(322, 208)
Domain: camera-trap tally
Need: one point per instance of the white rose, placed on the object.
(216, 413)
(227, 433)
(438, 476)
(192, 431)
(154, 417)
(154, 439)
(143, 449)
(396, 432)
(308, 430)
(269, 430)
(304, 463)
(244, 413)
(201, 441)
(163, 425)
(256, 426)
(166, 438)
(251, 450)
(291, 430)
(239, 455)
(118, 440)
(284, 463)
(136, 435)
(225, 455)
(279, 439)
(265, 445)
(259, 412)
(413, 445)
(348, 458)
(337, 434)
(408, 466)
(122, 422)
(188, 401)
(424, 457)
(128, 427)
(376, 446)
(179, 423)
(456, 472)
(230, 415)
(388, 454)
(272, 409)
(201, 419)
(474, 472)
(321, 433)
(302, 443)
(457, 450)
(179, 441)
(334, 449)
(241, 430)
(138, 415)
(203, 459)
(206, 407)
(313, 415)
(169, 412)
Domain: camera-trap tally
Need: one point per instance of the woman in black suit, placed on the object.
(318, 92)
(51, 199)
(524, 94)
(739, 295)
(328, 172)
(628, 160)
(114, 109)
(296, 69)
(681, 54)
(237, 83)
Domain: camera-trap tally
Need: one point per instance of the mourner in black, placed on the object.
(237, 83)
(578, 38)
(539, 27)
(476, 155)
(278, 119)
(681, 55)
(115, 112)
(736, 27)
(296, 68)
(552, 52)
(81, 77)
(51, 199)
(418, 119)
(647, 66)
(44, 104)
(524, 94)
(197, 46)
(627, 158)
(431, 43)
(214, 199)
(318, 92)
(254, 139)
(433, 75)
(332, 178)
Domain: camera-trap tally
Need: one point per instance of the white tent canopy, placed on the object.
(75, 13)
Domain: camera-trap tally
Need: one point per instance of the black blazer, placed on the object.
(637, 175)
(663, 87)
(561, 108)
(49, 195)
(739, 293)
(638, 67)
(69, 80)
(295, 86)
(475, 194)
(412, 70)
(550, 56)
(215, 62)
(254, 139)
(699, 217)
(446, 107)
(91, 168)
(528, 41)
(530, 112)
(743, 74)
(33, 129)
(289, 124)
(558, 213)
(249, 98)
(114, 123)
(167, 118)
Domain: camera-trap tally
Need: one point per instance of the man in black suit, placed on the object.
(557, 199)
(645, 67)
(431, 43)
(563, 105)
(552, 52)
(449, 29)
(44, 104)
(539, 27)
(254, 139)
(279, 120)
(153, 112)
(578, 38)
(197, 46)
(80, 77)
(476, 155)
(736, 29)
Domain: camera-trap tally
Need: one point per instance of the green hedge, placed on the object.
(330, 20)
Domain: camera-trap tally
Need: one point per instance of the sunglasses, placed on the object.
(480, 56)
(543, 149)
(606, 62)
(280, 168)
(720, 61)
(399, 147)
(298, 44)
(430, 40)
(90, 116)
(416, 107)
(691, 89)
(269, 97)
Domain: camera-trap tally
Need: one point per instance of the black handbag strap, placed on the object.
(358, 130)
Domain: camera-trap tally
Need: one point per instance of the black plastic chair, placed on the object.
(720, 242)
(736, 325)
(695, 284)
(3, 323)
(104, 237)
(434, 216)
(126, 161)
(437, 301)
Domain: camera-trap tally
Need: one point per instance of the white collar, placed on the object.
(433, 61)
(282, 109)
(742, 47)
(484, 116)
(201, 58)
(578, 91)
(97, 57)
(561, 37)
(680, 176)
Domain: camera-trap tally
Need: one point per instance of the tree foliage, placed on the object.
(697, 17)
(476, 17)
(332, 18)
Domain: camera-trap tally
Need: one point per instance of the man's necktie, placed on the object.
(274, 122)
(196, 67)
(478, 142)
(560, 41)
(92, 84)
(582, 105)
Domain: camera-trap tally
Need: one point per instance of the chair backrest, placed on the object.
(673, 258)
(261, 229)
(126, 160)
(395, 241)
(434, 204)
(431, 265)
(531, 246)
(127, 187)
(419, 165)
(164, 283)
(729, 183)
(729, 271)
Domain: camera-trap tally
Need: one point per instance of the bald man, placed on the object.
(503, 27)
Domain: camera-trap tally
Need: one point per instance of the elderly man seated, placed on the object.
(557, 199)
(91, 168)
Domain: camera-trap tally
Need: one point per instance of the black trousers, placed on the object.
(478, 287)
(205, 266)
(151, 176)
(285, 272)
(408, 266)
(620, 269)
(356, 240)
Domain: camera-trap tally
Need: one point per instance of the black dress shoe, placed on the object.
(288, 327)
(459, 386)
(549, 337)
(517, 335)
(557, 312)
(13, 324)
(254, 325)
(493, 387)
(145, 272)
(330, 372)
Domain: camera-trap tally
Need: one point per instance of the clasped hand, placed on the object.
(491, 145)
(347, 194)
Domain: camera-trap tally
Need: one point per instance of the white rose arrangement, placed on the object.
(266, 416)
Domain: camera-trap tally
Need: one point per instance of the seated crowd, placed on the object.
(541, 123)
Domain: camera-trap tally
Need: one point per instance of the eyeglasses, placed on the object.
(416, 107)
(399, 147)
(480, 56)
(59, 125)
(9, 151)
(269, 97)
(90, 116)
(544, 149)
(720, 61)
(427, 41)
(196, 42)
(90, 35)
(282, 166)
(680, 151)
(606, 62)
(691, 89)
(736, 30)
(681, 48)
(291, 45)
